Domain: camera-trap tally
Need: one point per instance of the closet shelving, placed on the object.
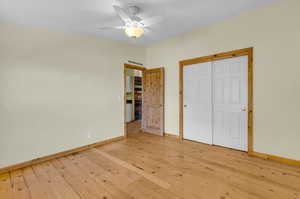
(138, 98)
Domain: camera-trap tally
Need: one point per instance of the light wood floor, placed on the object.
(146, 166)
(134, 127)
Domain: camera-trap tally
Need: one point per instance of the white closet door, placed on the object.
(197, 110)
(230, 91)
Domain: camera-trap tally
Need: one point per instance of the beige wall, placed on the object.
(58, 91)
(274, 32)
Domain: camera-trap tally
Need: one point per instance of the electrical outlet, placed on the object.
(89, 135)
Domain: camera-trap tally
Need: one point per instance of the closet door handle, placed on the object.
(185, 106)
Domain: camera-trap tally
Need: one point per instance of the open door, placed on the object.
(153, 101)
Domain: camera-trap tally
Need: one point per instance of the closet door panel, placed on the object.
(230, 103)
(197, 113)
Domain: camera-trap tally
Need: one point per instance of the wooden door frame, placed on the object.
(135, 67)
(220, 56)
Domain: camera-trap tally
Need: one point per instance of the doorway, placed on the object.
(143, 100)
(133, 98)
(216, 104)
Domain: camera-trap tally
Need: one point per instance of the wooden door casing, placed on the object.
(153, 101)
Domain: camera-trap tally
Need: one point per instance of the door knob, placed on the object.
(185, 106)
(244, 109)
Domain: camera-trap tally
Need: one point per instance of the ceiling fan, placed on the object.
(134, 26)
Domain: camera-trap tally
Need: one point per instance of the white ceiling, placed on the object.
(85, 16)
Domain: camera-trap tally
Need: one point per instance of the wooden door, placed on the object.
(153, 101)
(230, 108)
(197, 100)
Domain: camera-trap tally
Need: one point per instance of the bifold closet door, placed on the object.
(230, 99)
(197, 100)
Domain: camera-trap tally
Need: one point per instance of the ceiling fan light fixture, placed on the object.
(134, 32)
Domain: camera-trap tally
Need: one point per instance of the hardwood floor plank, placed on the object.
(117, 173)
(57, 185)
(154, 167)
(45, 181)
(151, 189)
(123, 175)
(139, 171)
(88, 170)
(20, 189)
(86, 187)
(5, 186)
(37, 189)
(116, 176)
(96, 170)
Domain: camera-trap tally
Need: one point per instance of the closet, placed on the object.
(215, 102)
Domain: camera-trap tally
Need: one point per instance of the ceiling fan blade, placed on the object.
(135, 18)
(123, 14)
(122, 3)
(150, 35)
(151, 21)
(150, 32)
(111, 28)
